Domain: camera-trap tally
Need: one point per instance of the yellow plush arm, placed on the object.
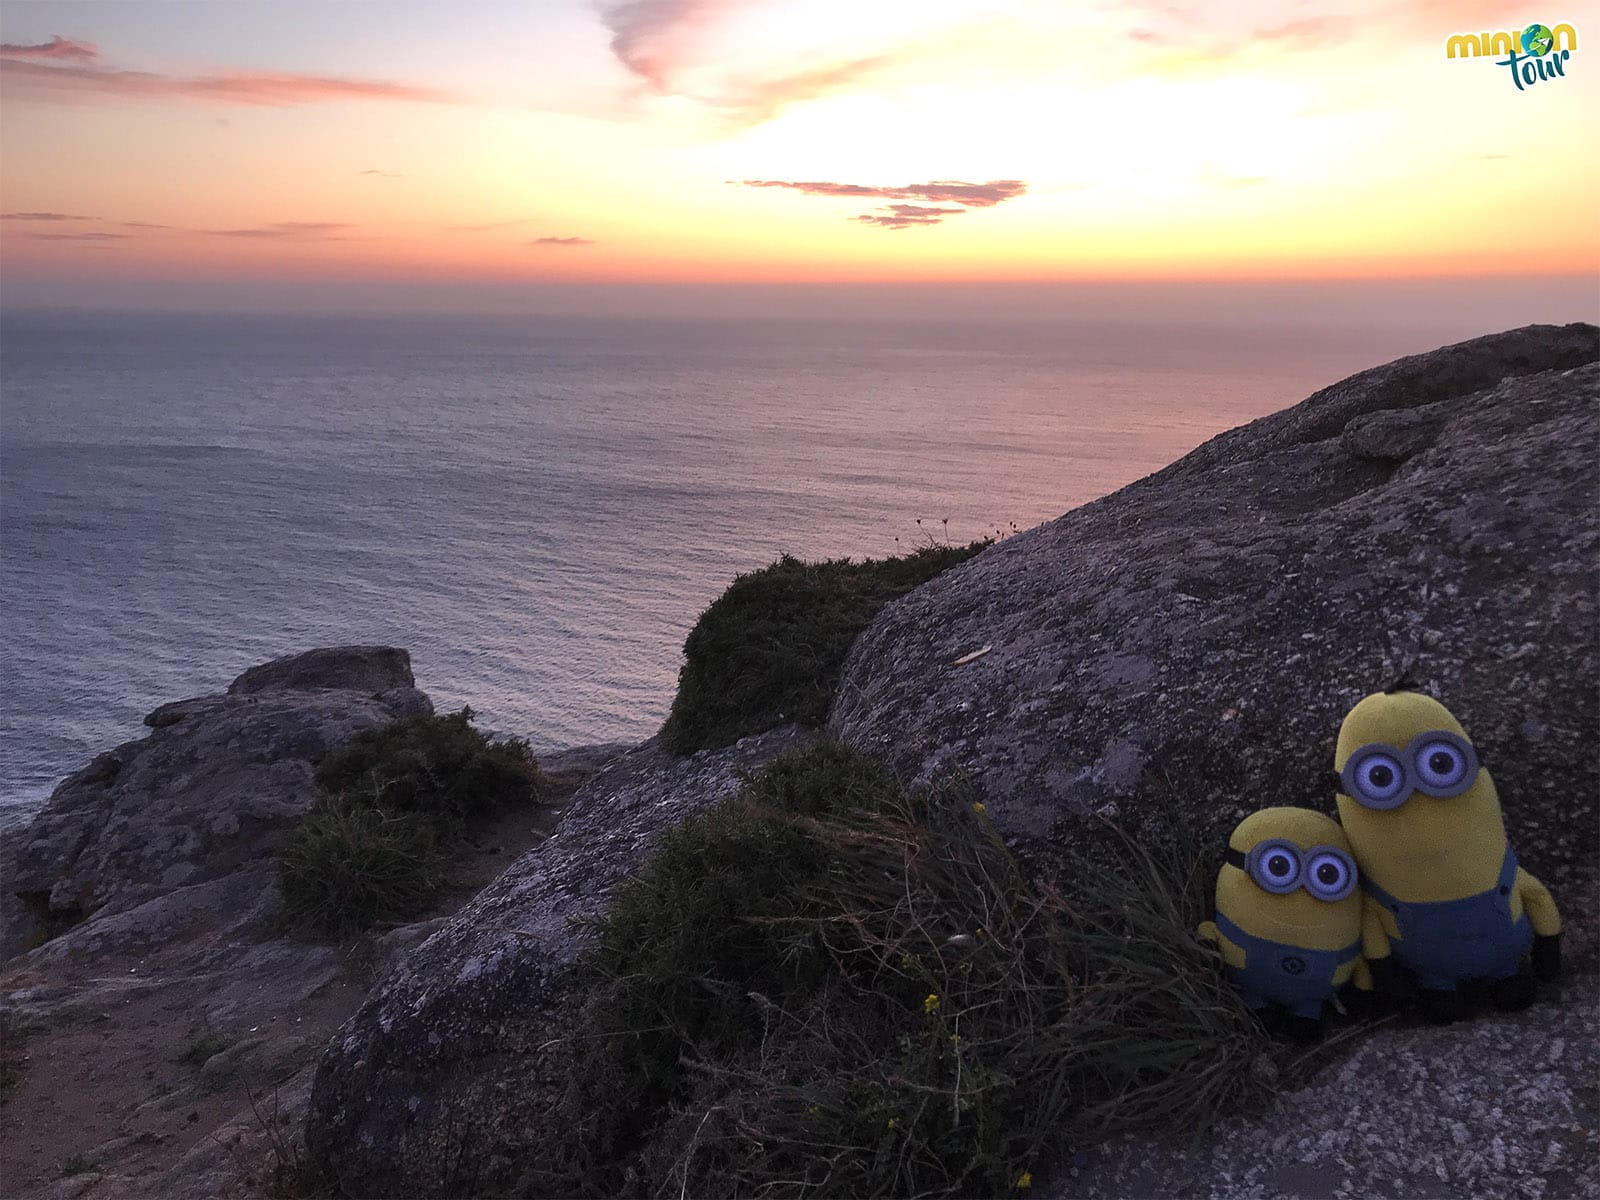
(1362, 976)
(1538, 904)
(1374, 937)
(1232, 955)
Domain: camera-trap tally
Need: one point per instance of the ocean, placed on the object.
(536, 508)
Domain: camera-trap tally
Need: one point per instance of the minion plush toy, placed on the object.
(1444, 894)
(1289, 914)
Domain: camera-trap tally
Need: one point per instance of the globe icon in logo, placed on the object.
(1537, 39)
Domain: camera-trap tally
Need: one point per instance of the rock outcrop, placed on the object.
(1196, 638)
(446, 1080)
(184, 822)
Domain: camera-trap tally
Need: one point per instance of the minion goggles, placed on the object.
(1436, 763)
(1279, 866)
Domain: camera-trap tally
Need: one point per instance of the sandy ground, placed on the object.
(116, 1081)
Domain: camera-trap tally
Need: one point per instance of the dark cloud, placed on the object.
(562, 241)
(57, 49)
(939, 191)
(44, 216)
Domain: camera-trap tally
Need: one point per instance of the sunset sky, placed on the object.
(452, 144)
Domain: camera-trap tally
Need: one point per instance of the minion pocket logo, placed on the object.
(1534, 54)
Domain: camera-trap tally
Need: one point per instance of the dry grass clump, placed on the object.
(877, 999)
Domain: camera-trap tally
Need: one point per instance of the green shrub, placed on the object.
(393, 800)
(771, 647)
(349, 865)
(718, 910)
(874, 998)
(438, 766)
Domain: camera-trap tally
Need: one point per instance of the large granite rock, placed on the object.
(1192, 642)
(447, 1080)
(191, 814)
(1501, 1107)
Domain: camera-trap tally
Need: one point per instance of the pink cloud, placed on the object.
(562, 241)
(70, 70)
(939, 191)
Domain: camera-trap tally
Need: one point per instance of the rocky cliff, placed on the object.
(1199, 635)
(1193, 639)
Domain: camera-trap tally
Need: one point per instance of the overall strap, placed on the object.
(1508, 868)
(1247, 941)
(1502, 886)
(1386, 898)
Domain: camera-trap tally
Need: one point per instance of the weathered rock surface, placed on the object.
(185, 819)
(1502, 1106)
(440, 1084)
(348, 668)
(1196, 637)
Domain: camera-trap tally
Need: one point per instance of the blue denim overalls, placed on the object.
(1446, 942)
(1296, 978)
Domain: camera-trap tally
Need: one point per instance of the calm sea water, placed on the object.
(537, 509)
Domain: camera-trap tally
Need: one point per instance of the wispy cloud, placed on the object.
(44, 216)
(663, 44)
(76, 237)
(57, 49)
(904, 216)
(380, 174)
(305, 230)
(145, 225)
(562, 241)
(66, 70)
(487, 226)
(648, 36)
(939, 191)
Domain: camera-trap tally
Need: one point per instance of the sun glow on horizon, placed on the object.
(1150, 141)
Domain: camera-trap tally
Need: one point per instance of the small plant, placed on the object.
(202, 1046)
(77, 1164)
(771, 647)
(11, 1056)
(349, 865)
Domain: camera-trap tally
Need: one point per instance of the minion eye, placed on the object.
(1376, 778)
(1275, 866)
(1330, 875)
(1445, 764)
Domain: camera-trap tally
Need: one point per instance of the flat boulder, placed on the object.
(349, 668)
(198, 805)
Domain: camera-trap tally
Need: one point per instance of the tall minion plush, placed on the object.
(1289, 914)
(1445, 896)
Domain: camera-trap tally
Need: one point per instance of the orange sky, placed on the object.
(572, 142)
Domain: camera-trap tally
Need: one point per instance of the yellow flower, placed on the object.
(979, 808)
(894, 1122)
(931, 1004)
(1025, 1180)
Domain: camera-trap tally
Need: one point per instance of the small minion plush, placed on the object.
(1289, 913)
(1445, 895)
